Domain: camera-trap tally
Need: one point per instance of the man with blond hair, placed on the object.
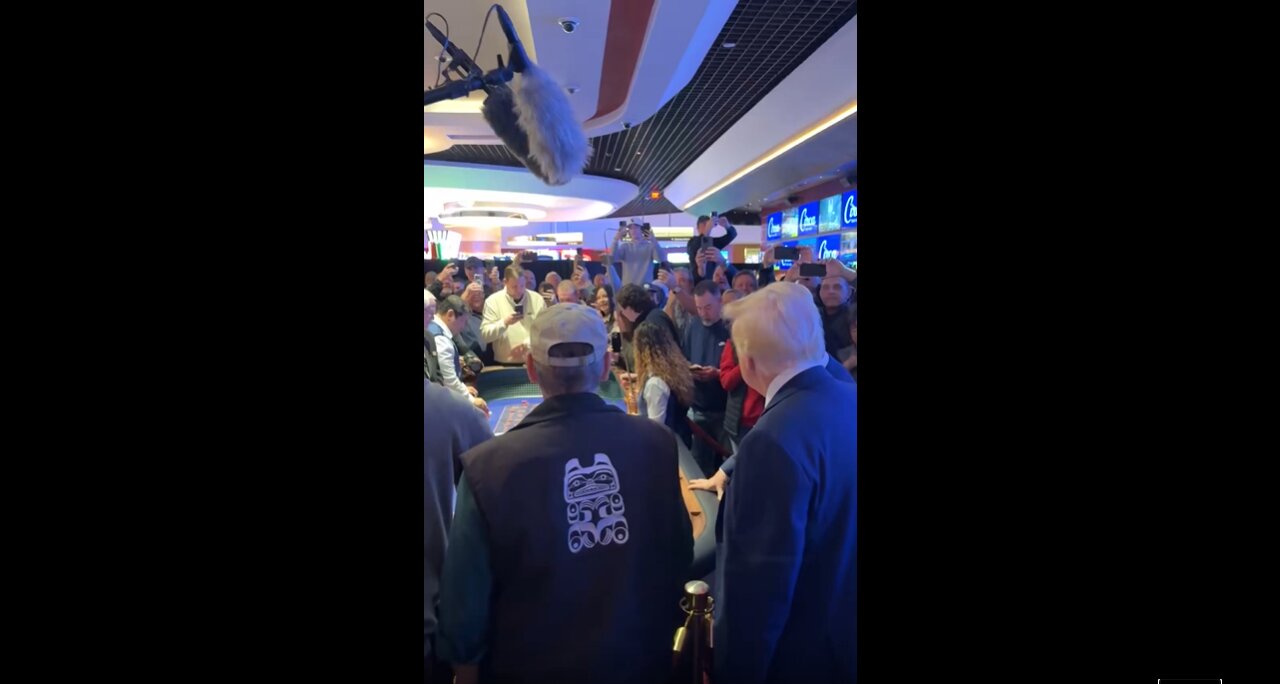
(786, 604)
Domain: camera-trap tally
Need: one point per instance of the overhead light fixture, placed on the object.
(484, 219)
(547, 239)
(778, 151)
(728, 45)
(528, 211)
(562, 237)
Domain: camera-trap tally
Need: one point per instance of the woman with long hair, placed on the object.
(662, 374)
(603, 303)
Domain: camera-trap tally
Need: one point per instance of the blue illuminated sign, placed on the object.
(828, 248)
(809, 219)
(849, 209)
(773, 230)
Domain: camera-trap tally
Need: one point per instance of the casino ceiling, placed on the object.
(759, 44)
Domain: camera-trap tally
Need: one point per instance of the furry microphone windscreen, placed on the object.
(557, 142)
(499, 111)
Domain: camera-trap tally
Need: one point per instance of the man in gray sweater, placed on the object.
(451, 426)
(635, 257)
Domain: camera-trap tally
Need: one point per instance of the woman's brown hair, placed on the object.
(658, 356)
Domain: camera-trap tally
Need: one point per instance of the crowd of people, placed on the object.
(752, 371)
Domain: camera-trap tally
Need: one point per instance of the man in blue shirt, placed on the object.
(703, 343)
(786, 603)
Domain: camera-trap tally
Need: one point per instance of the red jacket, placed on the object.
(731, 379)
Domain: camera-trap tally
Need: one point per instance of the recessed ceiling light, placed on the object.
(728, 45)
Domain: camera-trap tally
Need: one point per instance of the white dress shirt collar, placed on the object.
(785, 376)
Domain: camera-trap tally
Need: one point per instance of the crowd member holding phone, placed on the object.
(474, 297)
(703, 344)
(703, 243)
(634, 250)
(796, 274)
(580, 280)
(445, 285)
(548, 293)
(680, 307)
(474, 270)
(507, 315)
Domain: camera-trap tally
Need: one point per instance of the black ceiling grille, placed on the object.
(771, 37)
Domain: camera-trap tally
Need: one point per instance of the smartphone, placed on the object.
(615, 342)
(519, 309)
(478, 279)
(813, 270)
(646, 229)
(786, 253)
(706, 242)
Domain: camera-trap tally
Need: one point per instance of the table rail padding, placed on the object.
(510, 383)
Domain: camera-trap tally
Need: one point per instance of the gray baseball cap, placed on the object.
(568, 323)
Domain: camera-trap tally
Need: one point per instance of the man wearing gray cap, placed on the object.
(473, 268)
(569, 524)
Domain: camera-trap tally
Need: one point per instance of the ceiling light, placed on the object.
(528, 211)
(484, 220)
(778, 151)
(728, 45)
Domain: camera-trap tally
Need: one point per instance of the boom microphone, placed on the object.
(532, 116)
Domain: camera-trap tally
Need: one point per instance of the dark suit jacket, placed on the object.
(786, 604)
(430, 364)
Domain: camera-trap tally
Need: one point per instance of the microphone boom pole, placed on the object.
(532, 117)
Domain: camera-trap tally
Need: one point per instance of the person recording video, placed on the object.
(634, 251)
(703, 243)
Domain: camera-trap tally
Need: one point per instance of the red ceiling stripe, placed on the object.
(628, 24)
